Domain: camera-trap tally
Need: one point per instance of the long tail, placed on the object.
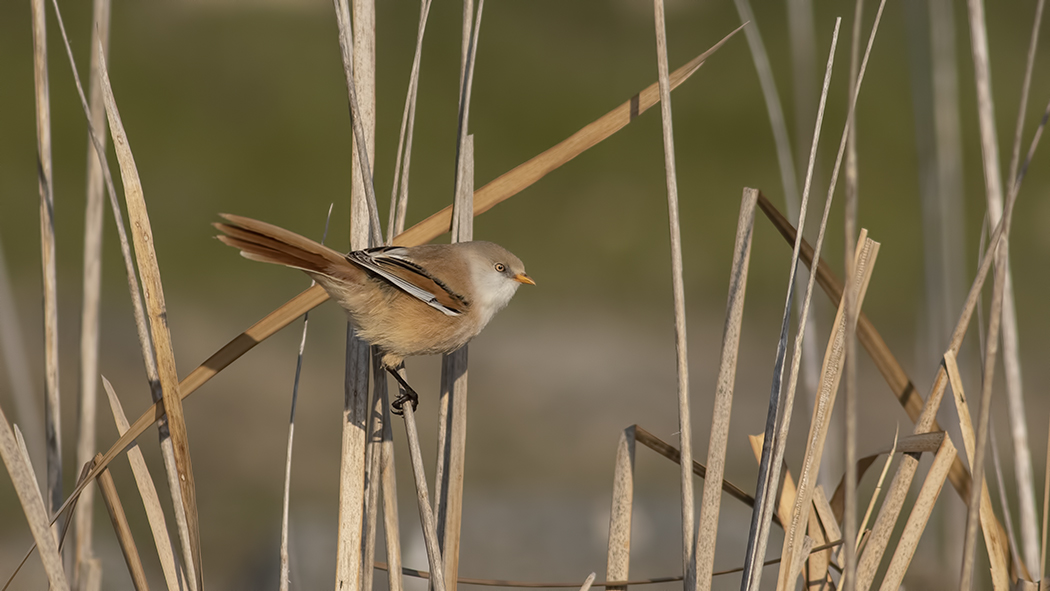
(267, 243)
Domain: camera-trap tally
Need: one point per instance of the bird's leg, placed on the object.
(407, 393)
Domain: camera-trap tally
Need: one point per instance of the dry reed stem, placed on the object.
(149, 270)
(785, 160)
(452, 411)
(618, 554)
(1002, 305)
(588, 582)
(391, 522)
(87, 406)
(758, 532)
(373, 466)
(920, 515)
(803, 53)
(787, 493)
(403, 161)
(357, 47)
(1019, 570)
(148, 494)
(524, 175)
(1018, 429)
(52, 398)
(426, 515)
(831, 373)
(685, 427)
(25, 485)
(122, 529)
(495, 192)
(849, 304)
(710, 505)
(284, 574)
(994, 196)
(466, 83)
(825, 515)
(994, 544)
(670, 452)
(817, 564)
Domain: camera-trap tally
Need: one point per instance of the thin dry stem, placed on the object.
(1011, 356)
(426, 515)
(685, 428)
(89, 324)
(849, 528)
(52, 398)
(403, 161)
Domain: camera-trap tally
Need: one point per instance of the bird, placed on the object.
(406, 301)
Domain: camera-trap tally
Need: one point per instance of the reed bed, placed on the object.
(823, 540)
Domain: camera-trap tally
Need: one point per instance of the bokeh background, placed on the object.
(240, 106)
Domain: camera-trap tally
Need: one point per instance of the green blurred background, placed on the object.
(240, 106)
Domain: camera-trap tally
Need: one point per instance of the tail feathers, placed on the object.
(267, 243)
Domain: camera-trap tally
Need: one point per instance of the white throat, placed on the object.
(492, 291)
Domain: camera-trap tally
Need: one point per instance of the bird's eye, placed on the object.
(500, 267)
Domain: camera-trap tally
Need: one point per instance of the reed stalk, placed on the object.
(685, 428)
(87, 401)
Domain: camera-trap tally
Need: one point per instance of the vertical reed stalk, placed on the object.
(373, 467)
(89, 325)
(685, 427)
(426, 515)
(1012, 358)
(357, 44)
(849, 302)
(452, 429)
(399, 192)
(52, 400)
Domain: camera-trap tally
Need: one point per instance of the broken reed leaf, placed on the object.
(618, 551)
(149, 271)
(498, 190)
(710, 508)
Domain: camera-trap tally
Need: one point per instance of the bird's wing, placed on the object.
(395, 266)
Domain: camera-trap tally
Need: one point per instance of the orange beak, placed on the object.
(523, 278)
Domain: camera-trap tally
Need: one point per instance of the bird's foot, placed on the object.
(407, 395)
(398, 405)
